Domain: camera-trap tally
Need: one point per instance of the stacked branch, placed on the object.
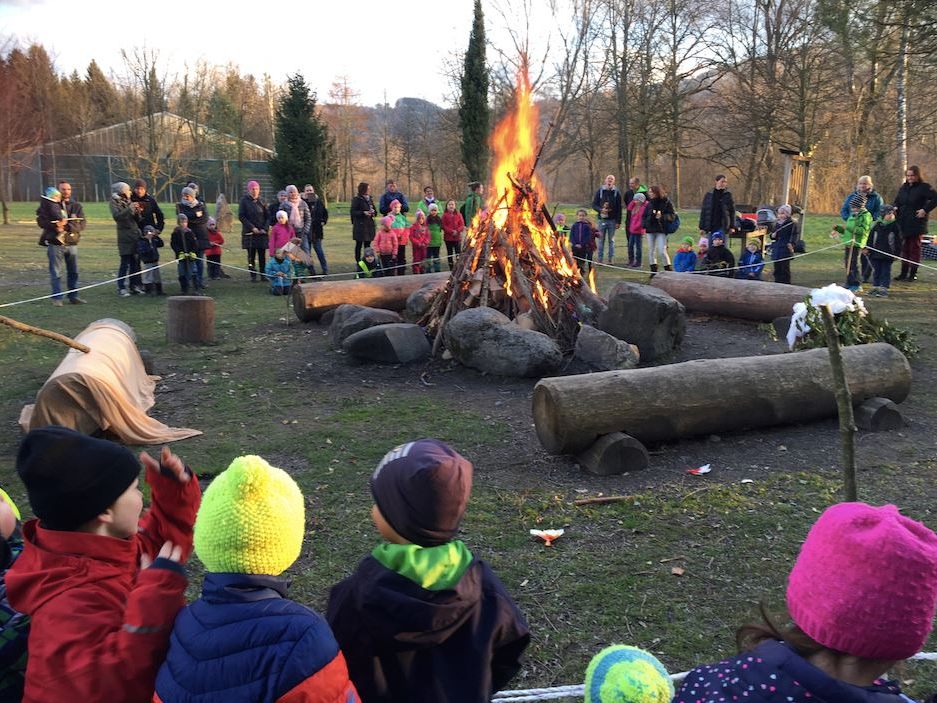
(515, 262)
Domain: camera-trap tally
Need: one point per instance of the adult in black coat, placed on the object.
(717, 214)
(148, 211)
(195, 210)
(252, 212)
(320, 216)
(914, 201)
(362, 218)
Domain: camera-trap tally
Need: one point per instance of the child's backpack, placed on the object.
(672, 227)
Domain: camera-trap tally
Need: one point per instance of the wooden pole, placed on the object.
(29, 329)
(847, 425)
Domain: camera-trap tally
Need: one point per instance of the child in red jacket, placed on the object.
(101, 585)
(213, 253)
(419, 239)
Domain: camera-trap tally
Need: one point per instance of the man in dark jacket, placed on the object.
(634, 186)
(717, 213)
(320, 217)
(62, 223)
(148, 211)
(607, 203)
(914, 201)
(421, 619)
(390, 195)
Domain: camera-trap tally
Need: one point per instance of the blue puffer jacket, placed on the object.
(774, 673)
(244, 641)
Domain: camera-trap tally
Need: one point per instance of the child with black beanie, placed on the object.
(101, 585)
(422, 619)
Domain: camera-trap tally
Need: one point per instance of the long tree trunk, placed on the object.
(901, 145)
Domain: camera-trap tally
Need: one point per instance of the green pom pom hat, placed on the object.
(623, 674)
(251, 521)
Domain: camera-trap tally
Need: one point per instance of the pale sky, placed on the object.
(398, 47)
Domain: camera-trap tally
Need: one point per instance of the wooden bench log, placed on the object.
(614, 453)
(731, 297)
(713, 395)
(312, 300)
(190, 319)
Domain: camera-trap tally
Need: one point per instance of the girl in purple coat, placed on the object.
(861, 597)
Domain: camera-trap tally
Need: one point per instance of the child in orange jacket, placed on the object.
(101, 585)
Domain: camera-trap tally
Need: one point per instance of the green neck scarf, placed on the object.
(433, 568)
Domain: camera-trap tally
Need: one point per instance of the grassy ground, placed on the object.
(266, 388)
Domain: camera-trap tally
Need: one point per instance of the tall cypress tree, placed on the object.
(305, 153)
(474, 113)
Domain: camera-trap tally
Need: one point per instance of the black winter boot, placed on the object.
(148, 288)
(912, 273)
(184, 285)
(653, 270)
(159, 288)
(668, 267)
(903, 276)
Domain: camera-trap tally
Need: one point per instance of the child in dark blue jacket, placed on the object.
(422, 620)
(582, 241)
(861, 597)
(243, 639)
(752, 263)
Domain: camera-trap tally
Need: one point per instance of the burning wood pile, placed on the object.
(514, 259)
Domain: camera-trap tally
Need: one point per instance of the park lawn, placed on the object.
(608, 580)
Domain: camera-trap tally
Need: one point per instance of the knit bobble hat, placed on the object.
(395, 202)
(623, 674)
(422, 489)
(858, 200)
(251, 521)
(865, 582)
(688, 240)
(72, 478)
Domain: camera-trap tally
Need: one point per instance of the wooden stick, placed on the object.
(847, 424)
(486, 276)
(29, 329)
(602, 500)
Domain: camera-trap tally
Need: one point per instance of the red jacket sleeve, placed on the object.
(171, 514)
(101, 650)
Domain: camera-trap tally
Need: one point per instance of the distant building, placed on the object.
(164, 148)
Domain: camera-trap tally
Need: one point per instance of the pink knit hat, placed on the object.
(865, 582)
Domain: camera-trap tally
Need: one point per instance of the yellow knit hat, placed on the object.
(251, 521)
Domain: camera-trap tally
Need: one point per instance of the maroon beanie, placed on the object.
(865, 582)
(422, 489)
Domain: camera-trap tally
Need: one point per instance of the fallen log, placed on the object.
(713, 395)
(731, 297)
(878, 415)
(312, 300)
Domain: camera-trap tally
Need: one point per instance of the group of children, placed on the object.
(430, 229)
(420, 619)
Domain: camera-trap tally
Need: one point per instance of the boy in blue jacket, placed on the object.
(752, 263)
(422, 620)
(243, 639)
(684, 261)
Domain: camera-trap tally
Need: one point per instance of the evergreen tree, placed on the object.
(474, 113)
(305, 153)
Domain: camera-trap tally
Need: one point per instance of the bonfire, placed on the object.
(514, 259)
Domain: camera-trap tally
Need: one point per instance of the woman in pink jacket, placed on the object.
(636, 229)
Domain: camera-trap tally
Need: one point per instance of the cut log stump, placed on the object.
(878, 415)
(658, 405)
(190, 319)
(614, 453)
(312, 300)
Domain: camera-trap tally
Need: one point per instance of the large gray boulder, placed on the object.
(398, 343)
(645, 316)
(419, 301)
(484, 339)
(348, 319)
(603, 352)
